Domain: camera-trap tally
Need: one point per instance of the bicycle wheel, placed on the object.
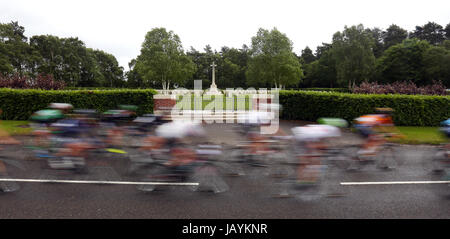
(208, 179)
(443, 190)
(346, 159)
(282, 188)
(387, 158)
(151, 174)
(311, 190)
(232, 162)
(279, 165)
(434, 161)
(8, 186)
(138, 164)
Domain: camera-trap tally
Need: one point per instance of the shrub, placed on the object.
(342, 90)
(41, 81)
(407, 88)
(410, 110)
(20, 104)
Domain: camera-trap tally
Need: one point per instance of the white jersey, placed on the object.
(315, 132)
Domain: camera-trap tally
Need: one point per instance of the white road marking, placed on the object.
(393, 182)
(93, 182)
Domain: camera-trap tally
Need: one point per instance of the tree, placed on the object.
(5, 65)
(377, 35)
(322, 72)
(133, 77)
(437, 65)
(50, 50)
(272, 61)
(352, 52)
(404, 62)
(14, 49)
(432, 32)
(394, 35)
(307, 55)
(203, 61)
(447, 31)
(162, 59)
(231, 67)
(109, 69)
(321, 49)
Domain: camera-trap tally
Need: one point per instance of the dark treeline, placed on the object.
(355, 55)
(358, 54)
(66, 59)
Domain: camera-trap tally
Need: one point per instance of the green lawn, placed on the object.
(14, 127)
(420, 135)
(414, 135)
(243, 102)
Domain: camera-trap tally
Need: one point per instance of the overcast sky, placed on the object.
(119, 27)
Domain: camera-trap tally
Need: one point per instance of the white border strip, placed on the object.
(93, 182)
(391, 183)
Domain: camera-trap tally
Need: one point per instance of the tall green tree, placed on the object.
(50, 49)
(321, 49)
(404, 62)
(272, 62)
(203, 61)
(431, 32)
(232, 67)
(321, 72)
(108, 67)
(162, 59)
(377, 35)
(352, 51)
(437, 65)
(447, 32)
(134, 80)
(307, 55)
(394, 35)
(5, 65)
(14, 48)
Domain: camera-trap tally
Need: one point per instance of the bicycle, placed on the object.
(201, 170)
(438, 160)
(383, 157)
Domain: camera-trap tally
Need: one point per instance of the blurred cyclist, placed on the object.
(445, 129)
(312, 138)
(115, 122)
(374, 127)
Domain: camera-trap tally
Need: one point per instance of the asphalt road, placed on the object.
(249, 196)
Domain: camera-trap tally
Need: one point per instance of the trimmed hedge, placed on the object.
(20, 104)
(97, 88)
(410, 110)
(341, 90)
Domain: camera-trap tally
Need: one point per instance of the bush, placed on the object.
(407, 88)
(20, 104)
(342, 90)
(41, 81)
(410, 110)
(97, 88)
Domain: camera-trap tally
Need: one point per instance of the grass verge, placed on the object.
(420, 135)
(13, 127)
